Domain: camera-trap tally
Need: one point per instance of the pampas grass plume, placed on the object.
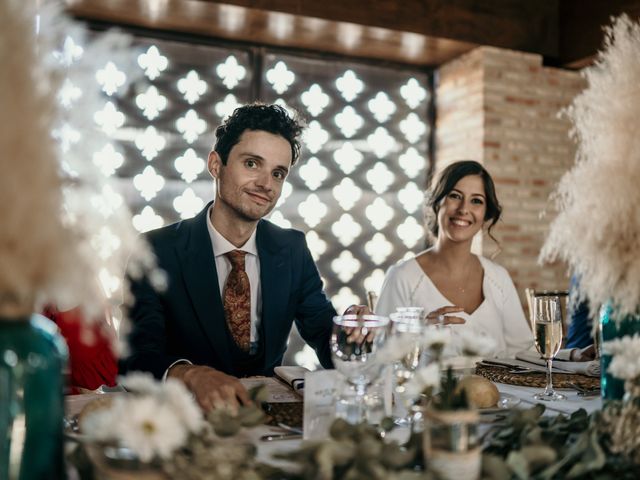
(598, 226)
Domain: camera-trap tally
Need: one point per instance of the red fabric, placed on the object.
(91, 359)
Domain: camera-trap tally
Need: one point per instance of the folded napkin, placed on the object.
(591, 368)
(292, 376)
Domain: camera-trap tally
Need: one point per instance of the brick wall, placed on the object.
(500, 107)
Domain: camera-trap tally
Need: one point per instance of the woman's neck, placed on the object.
(453, 255)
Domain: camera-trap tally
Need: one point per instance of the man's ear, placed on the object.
(214, 163)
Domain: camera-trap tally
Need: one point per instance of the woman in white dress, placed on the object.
(456, 287)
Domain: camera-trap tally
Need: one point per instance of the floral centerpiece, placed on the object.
(597, 227)
(526, 444)
(159, 427)
(66, 232)
(66, 229)
(604, 444)
(442, 413)
(450, 442)
(624, 417)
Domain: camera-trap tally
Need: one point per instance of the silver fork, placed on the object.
(289, 428)
(585, 392)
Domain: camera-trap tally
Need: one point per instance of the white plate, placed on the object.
(506, 402)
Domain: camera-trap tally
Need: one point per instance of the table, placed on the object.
(267, 450)
(568, 406)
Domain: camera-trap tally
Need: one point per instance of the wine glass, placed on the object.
(355, 340)
(547, 330)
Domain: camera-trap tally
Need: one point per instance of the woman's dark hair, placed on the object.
(448, 179)
(258, 116)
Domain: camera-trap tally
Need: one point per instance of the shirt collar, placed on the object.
(221, 245)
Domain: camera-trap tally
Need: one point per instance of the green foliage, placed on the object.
(450, 396)
(226, 423)
(528, 445)
(354, 452)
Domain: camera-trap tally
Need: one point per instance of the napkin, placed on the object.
(292, 376)
(591, 368)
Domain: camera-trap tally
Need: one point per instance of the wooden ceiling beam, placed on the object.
(567, 33)
(581, 25)
(530, 26)
(417, 32)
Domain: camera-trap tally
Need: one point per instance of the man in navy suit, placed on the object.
(202, 332)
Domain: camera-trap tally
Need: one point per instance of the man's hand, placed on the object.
(358, 310)
(212, 388)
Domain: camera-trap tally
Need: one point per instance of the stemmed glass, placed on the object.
(355, 340)
(547, 328)
(407, 324)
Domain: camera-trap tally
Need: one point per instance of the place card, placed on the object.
(327, 396)
(320, 392)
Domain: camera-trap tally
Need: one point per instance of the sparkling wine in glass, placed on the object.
(547, 330)
(355, 341)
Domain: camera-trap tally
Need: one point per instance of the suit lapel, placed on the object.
(275, 280)
(201, 280)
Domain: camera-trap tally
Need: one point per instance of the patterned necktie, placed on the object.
(237, 301)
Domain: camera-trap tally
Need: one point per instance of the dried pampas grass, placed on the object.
(58, 210)
(598, 226)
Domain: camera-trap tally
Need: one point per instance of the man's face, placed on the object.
(250, 184)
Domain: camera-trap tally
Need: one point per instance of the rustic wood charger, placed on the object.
(537, 379)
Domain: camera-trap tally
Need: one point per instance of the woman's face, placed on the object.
(462, 210)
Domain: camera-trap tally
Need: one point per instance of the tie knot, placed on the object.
(236, 257)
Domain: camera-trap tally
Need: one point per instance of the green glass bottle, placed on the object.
(612, 388)
(32, 358)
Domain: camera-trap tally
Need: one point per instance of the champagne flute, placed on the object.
(547, 328)
(355, 341)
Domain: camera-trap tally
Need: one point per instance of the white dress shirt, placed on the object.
(251, 265)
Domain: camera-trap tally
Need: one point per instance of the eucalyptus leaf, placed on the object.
(593, 458)
(519, 464)
(495, 468)
(395, 457)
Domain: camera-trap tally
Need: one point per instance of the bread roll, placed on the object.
(481, 393)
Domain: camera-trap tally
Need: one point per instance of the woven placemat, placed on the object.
(289, 413)
(537, 379)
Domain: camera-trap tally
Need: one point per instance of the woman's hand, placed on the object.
(441, 316)
(585, 354)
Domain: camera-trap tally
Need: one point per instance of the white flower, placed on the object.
(397, 347)
(427, 377)
(150, 428)
(625, 352)
(100, 424)
(622, 345)
(141, 383)
(182, 402)
(625, 367)
(475, 344)
(436, 338)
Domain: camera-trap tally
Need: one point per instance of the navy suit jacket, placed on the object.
(187, 320)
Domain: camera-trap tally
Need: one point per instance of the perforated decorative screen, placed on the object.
(358, 190)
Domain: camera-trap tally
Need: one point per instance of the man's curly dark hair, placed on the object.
(258, 116)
